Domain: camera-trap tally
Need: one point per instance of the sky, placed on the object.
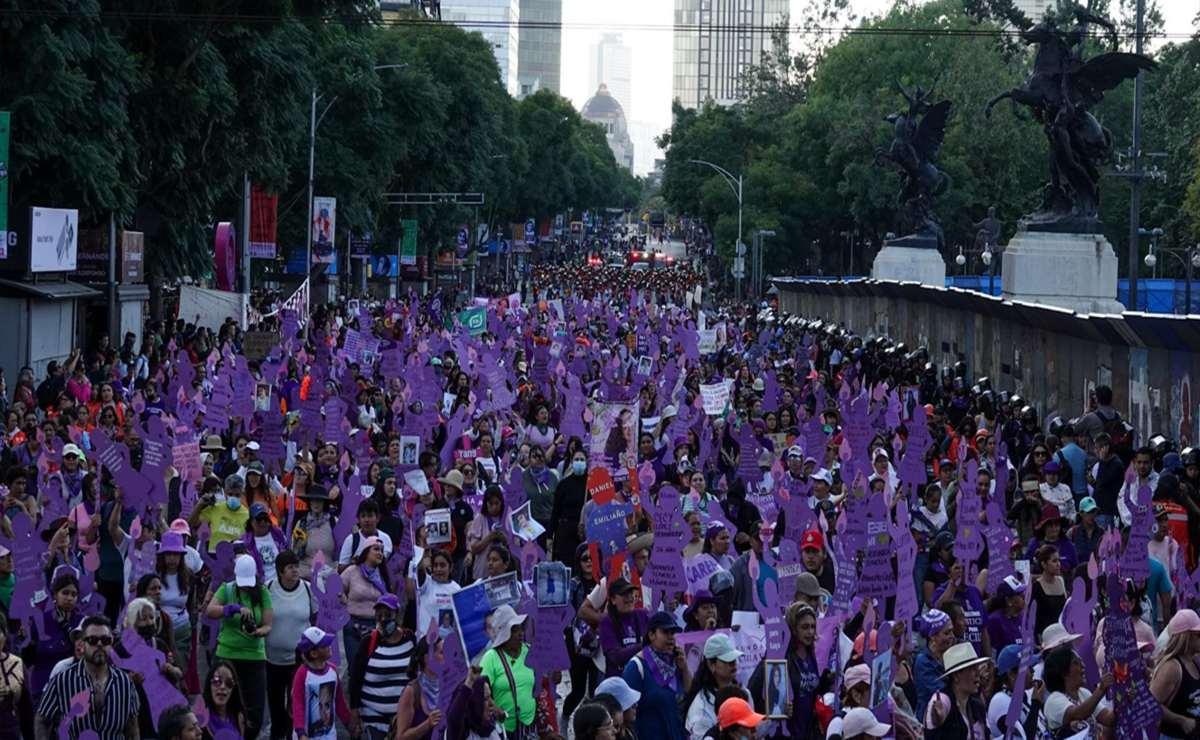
(645, 26)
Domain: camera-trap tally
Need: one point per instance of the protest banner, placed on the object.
(715, 397)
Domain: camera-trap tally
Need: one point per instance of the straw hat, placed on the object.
(960, 657)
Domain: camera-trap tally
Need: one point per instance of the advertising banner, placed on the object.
(324, 226)
(53, 239)
(264, 223)
(408, 242)
(133, 256)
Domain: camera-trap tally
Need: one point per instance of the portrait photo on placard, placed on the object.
(776, 688)
(551, 581)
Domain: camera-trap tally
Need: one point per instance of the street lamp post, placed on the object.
(762, 235)
(735, 184)
(314, 121)
(1190, 257)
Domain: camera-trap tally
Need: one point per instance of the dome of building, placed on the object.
(603, 109)
(603, 105)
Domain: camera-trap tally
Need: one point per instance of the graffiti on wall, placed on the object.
(1183, 409)
(1141, 408)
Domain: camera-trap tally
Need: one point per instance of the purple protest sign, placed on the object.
(768, 608)
(906, 606)
(846, 581)
(1135, 707)
(453, 672)
(877, 579)
(147, 662)
(1134, 561)
(548, 648)
(698, 569)
(135, 488)
(665, 570)
(1077, 618)
(331, 610)
(968, 542)
(156, 458)
(26, 549)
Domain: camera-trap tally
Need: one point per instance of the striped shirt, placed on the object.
(106, 715)
(383, 681)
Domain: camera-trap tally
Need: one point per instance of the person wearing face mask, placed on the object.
(142, 616)
(569, 497)
(539, 482)
(378, 674)
(223, 512)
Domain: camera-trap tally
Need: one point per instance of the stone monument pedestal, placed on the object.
(1074, 271)
(910, 264)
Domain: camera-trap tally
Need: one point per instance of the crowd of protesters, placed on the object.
(213, 602)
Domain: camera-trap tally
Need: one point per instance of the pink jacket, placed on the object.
(360, 593)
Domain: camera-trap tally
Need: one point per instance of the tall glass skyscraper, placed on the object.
(540, 55)
(502, 18)
(716, 42)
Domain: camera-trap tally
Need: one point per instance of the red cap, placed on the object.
(736, 711)
(812, 539)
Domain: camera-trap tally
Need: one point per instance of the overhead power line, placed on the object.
(485, 24)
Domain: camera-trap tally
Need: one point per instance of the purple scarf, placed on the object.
(372, 575)
(662, 668)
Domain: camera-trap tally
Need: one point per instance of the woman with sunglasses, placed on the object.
(223, 698)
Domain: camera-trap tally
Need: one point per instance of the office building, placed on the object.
(1035, 10)
(394, 10)
(612, 65)
(540, 48)
(716, 43)
(498, 21)
(603, 109)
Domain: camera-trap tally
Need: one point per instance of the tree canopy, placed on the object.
(154, 110)
(806, 137)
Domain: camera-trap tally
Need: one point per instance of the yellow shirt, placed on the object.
(225, 524)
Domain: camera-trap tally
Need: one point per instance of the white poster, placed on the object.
(706, 341)
(715, 397)
(324, 227)
(437, 527)
(53, 239)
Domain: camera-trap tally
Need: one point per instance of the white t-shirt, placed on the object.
(346, 555)
(268, 550)
(701, 716)
(433, 599)
(1057, 704)
(292, 613)
(998, 711)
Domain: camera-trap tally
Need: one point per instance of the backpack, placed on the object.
(1119, 433)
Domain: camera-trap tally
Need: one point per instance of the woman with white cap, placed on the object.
(717, 671)
(958, 712)
(860, 724)
(1176, 679)
(244, 608)
(504, 667)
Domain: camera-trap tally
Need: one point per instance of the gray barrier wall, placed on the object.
(1050, 356)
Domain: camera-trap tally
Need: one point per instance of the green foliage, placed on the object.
(155, 110)
(806, 138)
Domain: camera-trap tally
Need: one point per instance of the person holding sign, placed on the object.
(622, 627)
(432, 587)
(958, 712)
(485, 530)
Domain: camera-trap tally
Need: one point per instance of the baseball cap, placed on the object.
(1009, 658)
(812, 539)
(1051, 467)
(252, 446)
(720, 647)
(181, 526)
(807, 584)
(257, 509)
(389, 601)
(245, 571)
(861, 721)
(1185, 620)
(72, 449)
(616, 687)
(663, 621)
(735, 711)
(620, 586)
(825, 475)
(856, 674)
(312, 638)
(1087, 504)
(1010, 586)
(796, 451)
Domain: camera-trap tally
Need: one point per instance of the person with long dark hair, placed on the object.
(244, 608)
(582, 640)
(593, 722)
(52, 644)
(223, 698)
(177, 599)
(959, 711)
(718, 670)
(803, 675)
(417, 711)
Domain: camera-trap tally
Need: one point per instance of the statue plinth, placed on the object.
(1075, 271)
(912, 258)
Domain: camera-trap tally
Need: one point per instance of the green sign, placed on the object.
(408, 242)
(4, 120)
(474, 320)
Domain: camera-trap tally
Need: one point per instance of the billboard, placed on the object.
(53, 239)
(264, 221)
(324, 226)
(408, 242)
(133, 254)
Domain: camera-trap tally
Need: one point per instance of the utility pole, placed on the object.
(1135, 189)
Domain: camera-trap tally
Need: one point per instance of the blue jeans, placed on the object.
(353, 635)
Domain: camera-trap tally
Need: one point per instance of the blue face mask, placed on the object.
(578, 467)
(233, 503)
